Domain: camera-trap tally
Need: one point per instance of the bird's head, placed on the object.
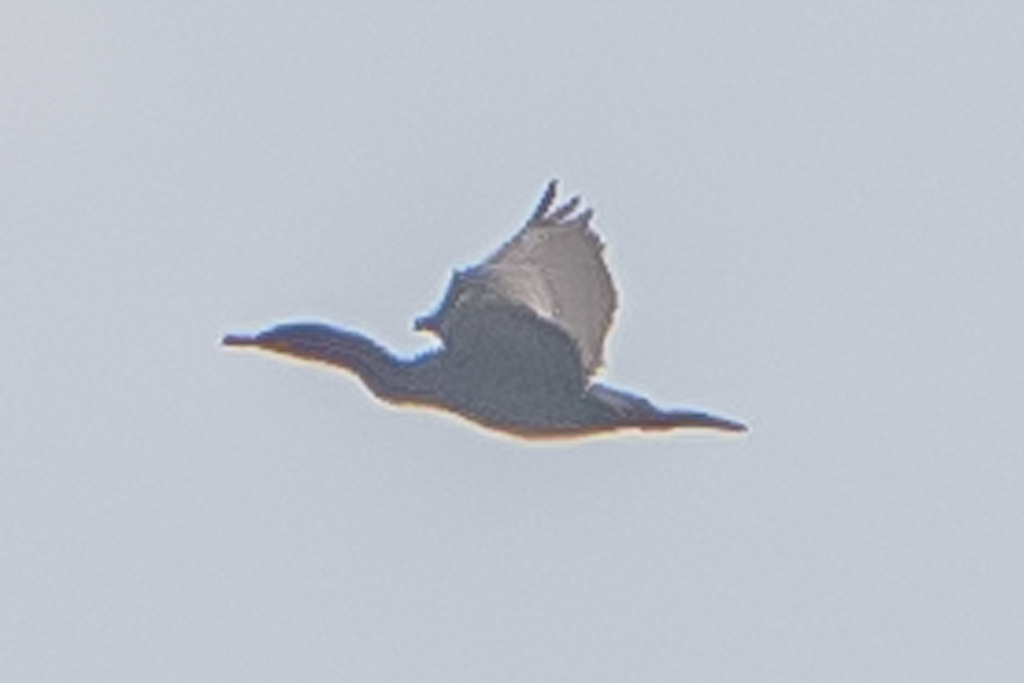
(303, 340)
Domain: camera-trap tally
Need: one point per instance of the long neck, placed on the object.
(388, 377)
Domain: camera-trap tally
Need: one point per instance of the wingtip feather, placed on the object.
(545, 202)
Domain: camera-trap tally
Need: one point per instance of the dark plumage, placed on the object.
(522, 333)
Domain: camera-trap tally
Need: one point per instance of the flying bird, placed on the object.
(521, 334)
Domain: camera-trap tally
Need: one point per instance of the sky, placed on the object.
(814, 215)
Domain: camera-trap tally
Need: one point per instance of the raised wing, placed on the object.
(554, 266)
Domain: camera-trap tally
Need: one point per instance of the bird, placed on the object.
(521, 336)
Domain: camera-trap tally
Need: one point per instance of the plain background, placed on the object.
(815, 216)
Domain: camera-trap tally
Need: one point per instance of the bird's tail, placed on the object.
(634, 411)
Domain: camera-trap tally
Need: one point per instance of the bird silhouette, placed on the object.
(521, 336)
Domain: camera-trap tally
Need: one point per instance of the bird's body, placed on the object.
(522, 333)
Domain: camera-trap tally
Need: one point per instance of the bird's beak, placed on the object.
(238, 340)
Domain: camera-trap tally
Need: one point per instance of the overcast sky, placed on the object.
(814, 213)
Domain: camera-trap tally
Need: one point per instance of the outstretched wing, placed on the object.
(554, 266)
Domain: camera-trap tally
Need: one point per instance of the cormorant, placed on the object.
(521, 335)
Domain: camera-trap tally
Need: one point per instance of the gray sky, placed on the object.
(815, 217)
